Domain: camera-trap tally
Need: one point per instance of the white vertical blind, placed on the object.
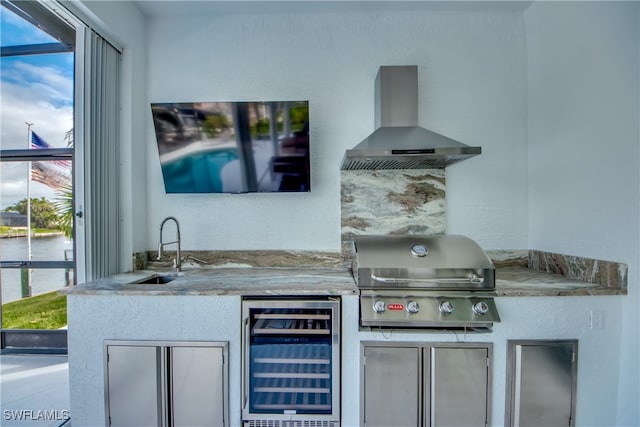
(100, 187)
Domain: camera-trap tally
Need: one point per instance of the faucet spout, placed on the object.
(177, 261)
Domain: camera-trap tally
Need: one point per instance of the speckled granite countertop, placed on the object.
(510, 281)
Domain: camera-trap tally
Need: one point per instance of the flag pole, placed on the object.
(26, 282)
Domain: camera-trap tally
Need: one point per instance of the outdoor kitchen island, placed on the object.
(205, 305)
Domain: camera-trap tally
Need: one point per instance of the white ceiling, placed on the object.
(156, 8)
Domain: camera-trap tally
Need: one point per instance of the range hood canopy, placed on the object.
(398, 142)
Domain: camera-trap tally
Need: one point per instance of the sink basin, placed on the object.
(157, 279)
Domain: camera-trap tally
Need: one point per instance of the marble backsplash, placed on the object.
(388, 202)
(242, 259)
(606, 273)
(509, 258)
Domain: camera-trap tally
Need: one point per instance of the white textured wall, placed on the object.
(584, 184)
(471, 78)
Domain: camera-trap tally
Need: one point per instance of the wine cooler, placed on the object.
(291, 363)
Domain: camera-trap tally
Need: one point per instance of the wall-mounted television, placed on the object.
(233, 147)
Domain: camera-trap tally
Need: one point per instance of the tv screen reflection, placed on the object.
(233, 147)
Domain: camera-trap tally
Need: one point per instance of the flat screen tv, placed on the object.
(233, 147)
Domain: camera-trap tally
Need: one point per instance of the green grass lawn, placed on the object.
(4, 230)
(46, 311)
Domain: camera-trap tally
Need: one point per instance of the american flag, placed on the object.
(56, 173)
(37, 143)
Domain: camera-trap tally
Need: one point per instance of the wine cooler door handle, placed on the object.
(245, 364)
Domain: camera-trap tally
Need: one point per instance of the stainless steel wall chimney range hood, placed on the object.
(398, 142)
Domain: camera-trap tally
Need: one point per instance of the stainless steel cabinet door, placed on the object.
(392, 387)
(459, 381)
(197, 386)
(166, 383)
(134, 382)
(541, 383)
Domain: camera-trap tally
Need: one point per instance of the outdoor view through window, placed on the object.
(36, 144)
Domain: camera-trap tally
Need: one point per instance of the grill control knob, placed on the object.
(379, 306)
(413, 307)
(446, 307)
(480, 308)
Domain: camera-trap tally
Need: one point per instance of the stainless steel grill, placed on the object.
(442, 282)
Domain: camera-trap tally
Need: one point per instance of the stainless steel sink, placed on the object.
(157, 279)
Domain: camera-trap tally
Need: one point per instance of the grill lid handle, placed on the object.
(471, 279)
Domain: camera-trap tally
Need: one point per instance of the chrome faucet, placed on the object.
(176, 262)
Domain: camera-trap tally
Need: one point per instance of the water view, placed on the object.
(48, 248)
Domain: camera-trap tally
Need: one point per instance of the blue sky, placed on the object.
(37, 89)
(34, 70)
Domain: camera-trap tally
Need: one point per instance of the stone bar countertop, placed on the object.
(258, 281)
(520, 281)
(226, 281)
(536, 273)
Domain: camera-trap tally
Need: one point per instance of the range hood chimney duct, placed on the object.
(398, 142)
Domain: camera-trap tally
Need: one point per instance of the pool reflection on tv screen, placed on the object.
(233, 147)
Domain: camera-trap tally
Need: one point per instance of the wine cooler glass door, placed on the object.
(290, 360)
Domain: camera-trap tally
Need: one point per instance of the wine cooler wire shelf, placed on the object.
(292, 321)
(291, 377)
(302, 325)
(301, 403)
